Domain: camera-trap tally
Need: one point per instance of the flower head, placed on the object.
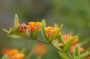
(22, 27)
(67, 37)
(33, 26)
(39, 49)
(50, 31)
(13, 54)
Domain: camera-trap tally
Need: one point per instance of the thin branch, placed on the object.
(42, 41)
(57, 48)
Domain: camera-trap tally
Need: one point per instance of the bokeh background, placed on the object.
(74, 14)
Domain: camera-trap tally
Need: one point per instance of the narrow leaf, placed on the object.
(5, 30)
(16, 21)
(35, 34)
(15, 36)
(57, 33)
(76, 53)
(84, 55)
(63, 55)
(67, 46)
(60, 39)
(43, 31)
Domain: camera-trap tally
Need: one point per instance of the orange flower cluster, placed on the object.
(13, 54)
(33, 26)
(50, 31)
(39, 49)
(66, 38)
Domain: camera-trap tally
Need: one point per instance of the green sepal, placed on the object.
(67, 46)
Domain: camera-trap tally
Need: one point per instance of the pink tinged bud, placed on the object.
(22, 27)
(61, 45)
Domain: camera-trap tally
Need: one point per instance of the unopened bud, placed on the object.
(61, 45)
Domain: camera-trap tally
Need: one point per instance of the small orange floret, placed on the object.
(50, 31)
(13, 54)
(39, 49)
(67, 37)
(33, 26)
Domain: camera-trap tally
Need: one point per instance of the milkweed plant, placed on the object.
(67, 45)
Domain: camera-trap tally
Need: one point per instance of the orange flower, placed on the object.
(50, 31)
(67, 37)
(81, 49)
(13, 54)
(39, 49)
(18, 56)
(33, 26)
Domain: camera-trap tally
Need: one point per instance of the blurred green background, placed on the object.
(74, 14)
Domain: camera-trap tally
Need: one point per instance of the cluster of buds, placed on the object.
(22, 27)
(50, 31)
(33, 26)
(13, 54)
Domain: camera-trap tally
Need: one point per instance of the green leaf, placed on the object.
(60, 39)
(16, 21)
(5, 30)
(67, 46)
(76, 53)
(63, 55)
(43, 31)
(5, 57)
(15, 36)
(34, 36)
(84, 55)
(56, 34)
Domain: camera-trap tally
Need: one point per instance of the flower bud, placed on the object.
(61, 45)
(22, 27)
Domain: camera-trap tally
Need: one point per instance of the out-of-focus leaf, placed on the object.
(76, 53)
(84, 55)
(6, 30)
(63, 55)
(57, 33)
(67, 46)
(35, 34)
(5, 57)
(15, 36)
(43, 31)
(16, 21)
